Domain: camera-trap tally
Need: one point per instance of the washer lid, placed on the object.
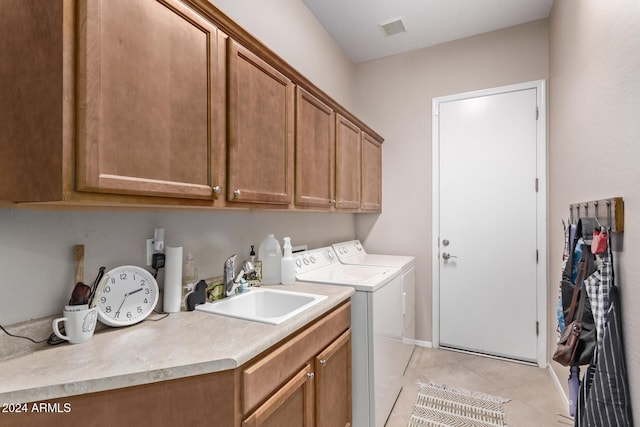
(353, 252)
(364, 278)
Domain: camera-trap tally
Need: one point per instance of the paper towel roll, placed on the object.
(172, 279)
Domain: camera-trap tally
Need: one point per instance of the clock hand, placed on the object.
(123, 300)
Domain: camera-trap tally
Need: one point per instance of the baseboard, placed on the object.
(425, 344)
(559, 386)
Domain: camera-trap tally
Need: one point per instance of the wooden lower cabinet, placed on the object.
(195, 401)
(290, 406)
(317, 395)
(333, 384)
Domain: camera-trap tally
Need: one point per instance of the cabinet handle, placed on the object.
(236, 193)
(323, 362)
(310, 375)
(216, 189)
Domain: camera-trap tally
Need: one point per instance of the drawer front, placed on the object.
(261, 378)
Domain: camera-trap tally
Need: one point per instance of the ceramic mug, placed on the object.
(79, 323)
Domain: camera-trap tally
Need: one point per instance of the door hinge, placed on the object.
(537, 256)
(537, 185)
(537, 328)
(537, 112)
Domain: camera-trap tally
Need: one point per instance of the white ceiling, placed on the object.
(354, 24)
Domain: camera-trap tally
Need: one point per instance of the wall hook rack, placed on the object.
(607, 211)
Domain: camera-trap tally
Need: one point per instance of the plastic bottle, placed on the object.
(189, 277)
(252, 254)
(270, 254)
(287, 265)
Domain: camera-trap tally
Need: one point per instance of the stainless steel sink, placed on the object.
(271, 306)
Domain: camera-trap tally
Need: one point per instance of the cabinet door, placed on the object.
(260, 145)
(348, 164)
(290, 406)
(371, 174)
(151, 99)
(333, 383)
(315, 151)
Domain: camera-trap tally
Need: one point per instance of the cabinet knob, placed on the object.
(310, 375)
(216, 189)
(333, 202)
(236, 193)
(323, 362)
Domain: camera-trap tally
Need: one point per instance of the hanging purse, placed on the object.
(570, 337)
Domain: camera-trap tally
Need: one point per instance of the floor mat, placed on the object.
(445, 406)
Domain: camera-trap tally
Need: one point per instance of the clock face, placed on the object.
(130, 294)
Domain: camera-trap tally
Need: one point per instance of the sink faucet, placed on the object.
(231, 280)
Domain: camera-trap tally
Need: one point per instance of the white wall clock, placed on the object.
(129, 296)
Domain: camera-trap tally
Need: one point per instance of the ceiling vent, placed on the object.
(393, 26)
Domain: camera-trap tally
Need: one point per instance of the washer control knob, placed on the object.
(359, 247)
(305, 260)
(299, 262)
(312, 259)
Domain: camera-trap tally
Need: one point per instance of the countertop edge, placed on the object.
(59, 391)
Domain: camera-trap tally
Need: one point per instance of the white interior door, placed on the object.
(488, 224)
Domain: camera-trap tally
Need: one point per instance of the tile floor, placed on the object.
(535, 399)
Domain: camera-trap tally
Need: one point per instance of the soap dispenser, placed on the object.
(288, 265)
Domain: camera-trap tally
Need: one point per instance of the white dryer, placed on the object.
(353, 253)
(376, 330)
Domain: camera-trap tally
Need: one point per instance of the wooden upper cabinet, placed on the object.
(261, 127)
(315, 151)
(371, 174)
(348, 164)
(150, 100)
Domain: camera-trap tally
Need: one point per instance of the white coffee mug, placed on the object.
(79, 323)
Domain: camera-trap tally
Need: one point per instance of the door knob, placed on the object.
(446, 256)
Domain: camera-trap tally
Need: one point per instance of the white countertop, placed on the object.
(181, 345)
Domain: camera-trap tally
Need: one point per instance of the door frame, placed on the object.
(541, 207)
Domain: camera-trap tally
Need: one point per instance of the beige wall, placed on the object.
(36, 246)
(395, 95)
(288, 28)
(594, 152)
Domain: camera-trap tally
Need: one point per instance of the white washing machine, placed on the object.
(352, 252)
(376, 330)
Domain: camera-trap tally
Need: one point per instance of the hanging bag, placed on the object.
(570, 337)
(586, 344)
